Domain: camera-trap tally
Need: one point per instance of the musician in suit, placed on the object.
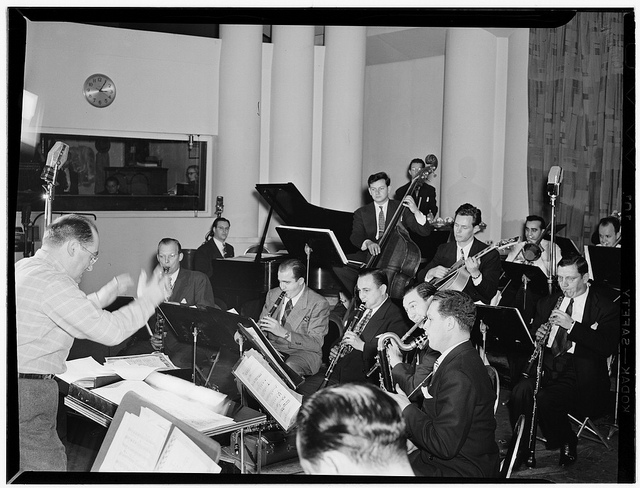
(380, 315)
(215, 246)
(298, 325)
(187, 288)
(455, 429)
(425, 194)
(352, 429)
(369, 222)
(583, 329)
(482, 274)
(609, 232)
(416, 302)
(534, 227)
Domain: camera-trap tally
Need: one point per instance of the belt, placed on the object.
(35, 376)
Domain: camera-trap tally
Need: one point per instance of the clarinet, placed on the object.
(537, 354)
(159, 328)
(276, 304)
(344, 348)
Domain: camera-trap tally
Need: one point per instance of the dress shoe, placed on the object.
(569, 452)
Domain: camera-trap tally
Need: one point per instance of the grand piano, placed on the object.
(244, 279)
(247, 279)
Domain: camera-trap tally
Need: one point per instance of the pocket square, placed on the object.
(594, 326)
(184, 300)
(425, 393)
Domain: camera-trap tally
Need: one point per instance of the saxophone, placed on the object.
(386, 381)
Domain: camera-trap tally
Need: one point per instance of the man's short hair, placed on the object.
(215, 223)
(111, 178)
(431, 160)
(417, 161)
(195, 167)
(578, 260)
(469, 210)
(536, 218)
(424, 290)
(358, 420)
(68, 227)
(170, 240)
(457, 305)
(379, 276)
(379, 176)
(610, 220)
(297, 267)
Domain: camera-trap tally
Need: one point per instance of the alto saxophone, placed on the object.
(386, 381)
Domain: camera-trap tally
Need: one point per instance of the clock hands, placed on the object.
(100, 90)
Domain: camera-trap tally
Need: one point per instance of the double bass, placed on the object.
(399, 256)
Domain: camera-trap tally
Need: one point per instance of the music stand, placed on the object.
(252, 332)
(320, 244)
(537, 280)
(604, 264)
(567, 247)
(200, 326)
(505, 327)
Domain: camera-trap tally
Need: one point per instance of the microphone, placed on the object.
(554, 180)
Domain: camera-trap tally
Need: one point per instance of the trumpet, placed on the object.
(344, 348)
(386, 380)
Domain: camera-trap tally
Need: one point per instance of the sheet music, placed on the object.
(196, 414)
(155, 360)
(78, 369)
(182, 455)
(136, 445)
(281, 402)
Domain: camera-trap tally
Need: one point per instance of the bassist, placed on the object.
(479, 277)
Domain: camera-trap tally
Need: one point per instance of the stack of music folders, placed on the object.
(255, 373)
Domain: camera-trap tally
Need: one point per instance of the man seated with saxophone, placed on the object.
(354, 356)
(576, 330)
(186, 287)
(481, 274)
(296, 319)
(416, 302)
(455, 429)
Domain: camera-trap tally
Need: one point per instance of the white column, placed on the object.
(237, 169)
(292, 106)
(468, 123)
(342, 117)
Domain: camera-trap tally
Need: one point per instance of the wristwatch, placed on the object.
(287, 336)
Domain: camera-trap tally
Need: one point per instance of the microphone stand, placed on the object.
(552, 253)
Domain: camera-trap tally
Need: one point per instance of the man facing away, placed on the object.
(51, 311)
(455, 429)
(352, 429)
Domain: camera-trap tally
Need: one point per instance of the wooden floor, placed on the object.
(596, 463)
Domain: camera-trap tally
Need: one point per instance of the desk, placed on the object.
(139, 180)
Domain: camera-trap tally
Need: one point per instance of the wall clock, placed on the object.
(99, 90)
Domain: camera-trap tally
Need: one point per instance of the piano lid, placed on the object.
(293, 209)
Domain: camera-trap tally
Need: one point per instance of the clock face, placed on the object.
(99, 90)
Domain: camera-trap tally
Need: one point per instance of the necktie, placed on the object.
(436, 365)
(171, 283)
(287, 311)
(225, 250)
(561, 344)
(461, 254)
(363, 322)
(380, 224)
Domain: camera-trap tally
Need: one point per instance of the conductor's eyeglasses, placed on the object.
(94, 255)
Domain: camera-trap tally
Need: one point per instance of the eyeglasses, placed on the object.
(94, 255)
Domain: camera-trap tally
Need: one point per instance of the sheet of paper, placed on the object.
(132, 371)
(136, 446)
(88, 367)
(153, 360)
(182, 455)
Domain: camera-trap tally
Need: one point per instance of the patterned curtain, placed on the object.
(575, 120)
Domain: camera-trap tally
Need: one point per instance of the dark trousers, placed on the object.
(556, 398)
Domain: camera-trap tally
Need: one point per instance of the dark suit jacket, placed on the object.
(206, 253)
(365, 225)
(308, 323)
(490, 267)
(409, 376)
(192, 288)
(355, 365)
(425, 197)
(455, 430)
(596, 338)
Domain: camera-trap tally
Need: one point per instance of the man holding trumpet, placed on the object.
(576, 330)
